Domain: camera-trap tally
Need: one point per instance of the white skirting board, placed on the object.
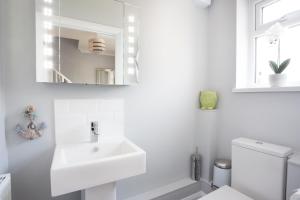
(195, 196)
(168, 189)
(163, 190)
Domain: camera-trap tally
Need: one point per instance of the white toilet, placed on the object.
(258, 172)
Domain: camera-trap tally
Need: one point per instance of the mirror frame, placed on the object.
(127, 67)
(70, 23)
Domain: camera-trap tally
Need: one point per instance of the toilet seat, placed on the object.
(225, 193)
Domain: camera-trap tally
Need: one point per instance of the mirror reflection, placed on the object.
(84, 52)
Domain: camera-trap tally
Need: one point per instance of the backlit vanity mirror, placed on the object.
(87, 42)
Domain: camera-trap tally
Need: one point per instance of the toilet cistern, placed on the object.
(95, 131)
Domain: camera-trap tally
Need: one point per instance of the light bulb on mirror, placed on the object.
(48, 64)
(131, 19)
(130, 60)
(47, 11)
(48, 38)
(131, 29)
(48, 51)
(131, 40)
(48, 25)
(131, 71)
(131, 50)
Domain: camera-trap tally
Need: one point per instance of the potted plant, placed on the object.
(278, 78)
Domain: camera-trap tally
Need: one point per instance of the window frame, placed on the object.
(257, 29)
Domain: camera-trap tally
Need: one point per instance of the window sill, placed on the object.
(266, 89)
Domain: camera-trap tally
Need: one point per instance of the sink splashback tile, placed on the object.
(73, 117)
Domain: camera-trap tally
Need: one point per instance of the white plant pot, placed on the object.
(277, 80)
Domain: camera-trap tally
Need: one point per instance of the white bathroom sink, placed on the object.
(81, 166)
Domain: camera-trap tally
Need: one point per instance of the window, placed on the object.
(277, 9)
(263, 15)
(289, 47)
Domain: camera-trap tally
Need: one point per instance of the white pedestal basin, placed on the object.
(93, 168)
(107, 191)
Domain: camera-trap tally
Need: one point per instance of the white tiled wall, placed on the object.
(73, 118)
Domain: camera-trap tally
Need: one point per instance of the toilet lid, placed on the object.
(225, 193)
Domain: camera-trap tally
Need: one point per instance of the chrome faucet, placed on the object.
(94, 132)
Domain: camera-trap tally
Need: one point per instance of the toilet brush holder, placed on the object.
(196, 166)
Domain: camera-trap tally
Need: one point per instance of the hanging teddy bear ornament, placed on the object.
(33, 130)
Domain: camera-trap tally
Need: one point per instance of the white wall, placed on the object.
(207, 141)
(3, 150)
(273, 117)
(160, 112)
